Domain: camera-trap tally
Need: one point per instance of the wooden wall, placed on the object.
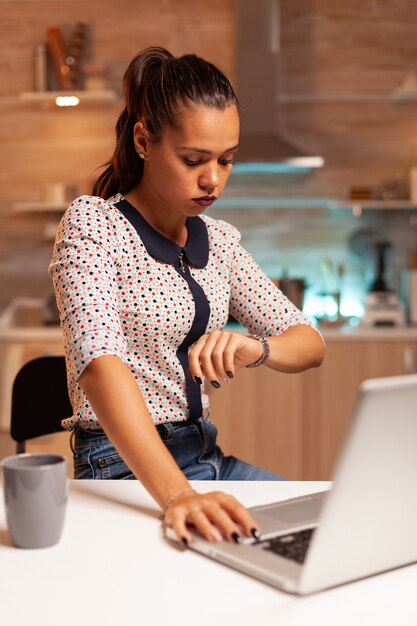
(340, 62)
(39, 147)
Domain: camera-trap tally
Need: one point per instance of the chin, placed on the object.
(195, 211)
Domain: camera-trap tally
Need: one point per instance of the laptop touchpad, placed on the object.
(295, 512)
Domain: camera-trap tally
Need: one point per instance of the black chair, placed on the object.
(39, 399)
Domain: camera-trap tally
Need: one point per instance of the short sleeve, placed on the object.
(84, 274)
(255, 302)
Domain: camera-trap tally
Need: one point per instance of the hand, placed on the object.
(215, 515)
(218, 355)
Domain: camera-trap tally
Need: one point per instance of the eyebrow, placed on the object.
(201, 151)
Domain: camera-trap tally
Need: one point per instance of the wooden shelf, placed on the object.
(397, 96)
(261, 202)
(38, 207)
(358, 207)
(298, 202)
(376, 204)
(49, 98)
(296, 165)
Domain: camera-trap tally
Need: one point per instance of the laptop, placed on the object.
(365, 525)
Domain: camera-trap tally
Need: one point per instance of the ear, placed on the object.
(140, 139)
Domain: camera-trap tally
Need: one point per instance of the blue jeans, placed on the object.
(191, 443)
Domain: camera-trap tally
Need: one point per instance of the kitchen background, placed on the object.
(338, 68)
(346, 89)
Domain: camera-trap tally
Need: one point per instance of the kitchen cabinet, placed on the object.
(259, 415)
(291, 424)
(332, 390)
(294, 424)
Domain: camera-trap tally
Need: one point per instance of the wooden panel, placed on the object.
(54, 444)
(40, 147)
(346, 47)
(294, 425)
(332, 391)
(259, 417)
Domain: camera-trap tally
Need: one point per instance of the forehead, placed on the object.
(207, 128)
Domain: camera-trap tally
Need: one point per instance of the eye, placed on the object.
(226, 161)
(192, 163)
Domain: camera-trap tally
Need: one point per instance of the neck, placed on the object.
(171, 226)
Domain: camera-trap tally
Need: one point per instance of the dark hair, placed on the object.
(156, 84)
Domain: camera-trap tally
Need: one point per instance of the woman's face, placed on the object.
(186, 171)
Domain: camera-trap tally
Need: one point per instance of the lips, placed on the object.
(205, 200)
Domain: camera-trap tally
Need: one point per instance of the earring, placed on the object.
(141, 154)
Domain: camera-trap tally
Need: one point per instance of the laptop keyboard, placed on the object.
(293, 546)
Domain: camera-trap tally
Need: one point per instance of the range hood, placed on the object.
(257, 56)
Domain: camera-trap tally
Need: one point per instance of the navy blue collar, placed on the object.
(196, 249)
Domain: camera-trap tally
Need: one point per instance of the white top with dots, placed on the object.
(129, 294)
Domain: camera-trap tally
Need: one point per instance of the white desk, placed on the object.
(113, 567)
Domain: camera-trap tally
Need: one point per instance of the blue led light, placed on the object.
(269, 168)
(258, 202)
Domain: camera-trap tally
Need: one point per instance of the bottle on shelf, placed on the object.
(41, 67)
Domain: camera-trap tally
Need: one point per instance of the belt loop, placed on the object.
(72, 436)
(199, 422)
(170, 430)
(165, 428)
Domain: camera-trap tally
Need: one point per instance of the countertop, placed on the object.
(48, 334)
(367, 333)
(21, 322)
(358, 333)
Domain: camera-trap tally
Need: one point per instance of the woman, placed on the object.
(145, 284)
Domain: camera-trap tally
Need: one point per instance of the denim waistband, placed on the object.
(167, 428)
(176, 425)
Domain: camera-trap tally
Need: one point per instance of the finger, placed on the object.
(178, 524)
(194, 358)
(222, 520)
(206, 362)
(198, 517)
(217, 355)
(229, 363)
(239, 514)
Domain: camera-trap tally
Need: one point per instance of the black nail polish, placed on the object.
(185, 541)
(198, 380)
(215, 384)
(235, 537)
(256, 534)
(230, 374)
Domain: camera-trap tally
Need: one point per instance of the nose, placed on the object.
(209, 179)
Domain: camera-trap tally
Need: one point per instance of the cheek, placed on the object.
(186, 181)
(224, 177)
(175, 178)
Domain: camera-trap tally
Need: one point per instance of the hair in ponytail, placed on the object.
(156, 85)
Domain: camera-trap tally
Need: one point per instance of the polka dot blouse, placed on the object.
(124, 289)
